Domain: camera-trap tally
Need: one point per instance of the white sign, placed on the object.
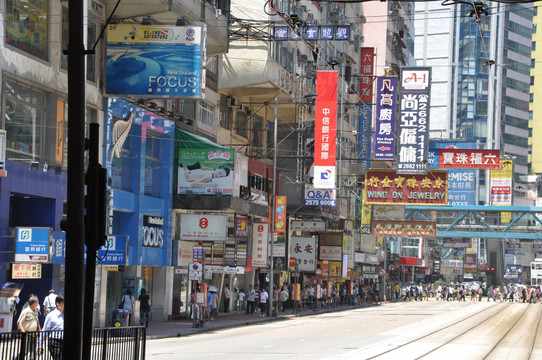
(237, 270)
(309, 225)
(198, 227)
(303, 249)
(259, 244)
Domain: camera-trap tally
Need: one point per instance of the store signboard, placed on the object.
(260, 233)
(303, 249)
(404, 228)
(413, 126)
(115, 251)
(32, 244)
(469, 158)
(384, 137)
(199, 227)
(308, 225)
(26, 271)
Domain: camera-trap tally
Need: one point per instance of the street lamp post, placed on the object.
(272, 230)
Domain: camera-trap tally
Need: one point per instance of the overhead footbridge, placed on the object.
(480, 221)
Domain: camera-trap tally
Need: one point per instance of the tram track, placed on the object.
(398, 349)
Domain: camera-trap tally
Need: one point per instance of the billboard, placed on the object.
(413, 127)
(501, 184)
(469, 158)
(462, 186)
(205, 171)
(317, 197)
(325, 130)
(385, 187)
(154, 61)
(199, 227)
(384, 137)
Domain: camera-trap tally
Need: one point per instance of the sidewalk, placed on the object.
(177, 328)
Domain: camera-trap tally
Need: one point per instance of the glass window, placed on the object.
(25, 119)
(207, 114)
(153, 165)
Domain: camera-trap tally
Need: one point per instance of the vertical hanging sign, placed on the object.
(413, 129)
(259, 244)
(366, 72)
(384, 137)
(280, 214)
(325, 133)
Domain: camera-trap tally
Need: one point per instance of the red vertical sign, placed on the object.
(366, 72)
(325, 133)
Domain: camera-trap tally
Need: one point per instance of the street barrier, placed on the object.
(126, 343)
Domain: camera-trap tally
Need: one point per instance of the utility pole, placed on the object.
(75, 235)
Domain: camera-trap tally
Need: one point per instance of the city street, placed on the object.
(403, 330)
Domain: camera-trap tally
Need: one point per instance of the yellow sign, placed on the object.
(26, 271)
(59, 152)
(111, 267)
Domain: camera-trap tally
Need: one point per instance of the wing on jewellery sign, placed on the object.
(384, 187)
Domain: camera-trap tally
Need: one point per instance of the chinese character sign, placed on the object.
(384, 137)
(413, 126)
(501, 184)
(366, 72)
(469, 158)
(259, 244)
(325, 132)
(303, 249)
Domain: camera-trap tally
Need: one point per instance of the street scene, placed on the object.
(413, 330)
(281, 178)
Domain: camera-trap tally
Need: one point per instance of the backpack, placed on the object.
(121, 304)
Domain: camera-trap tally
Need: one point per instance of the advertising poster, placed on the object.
(155, 60)
(384, 136)
(325, 131)
(413, 126)
(205, 171)
(501, 187)
(241, 224)
(452, 257)
(27, 28)
(470, 264)
(280, 214)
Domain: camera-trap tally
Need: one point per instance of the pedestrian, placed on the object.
(49, 303)
(28, 323)
(25, 305)
(214, 305)
(250, 300)
(53, 330)
(129, 300)
(241, 300)
(284, 297)
(227, 297)
(144, 308)
(263, 301)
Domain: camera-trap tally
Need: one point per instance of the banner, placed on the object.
(156, 60)
(385, 187)
(325, 133)
(280, 214)
(365, 135)
(384, 137)
(413, 130)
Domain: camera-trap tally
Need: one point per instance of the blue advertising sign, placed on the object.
(114, 252)
(384, 137)
(32, 244)
(155, 60)
(365, 134)
(326, 32)
(58, 253)
(461, 182)
(320, 197)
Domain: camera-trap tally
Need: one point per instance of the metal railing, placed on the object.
(125, 343)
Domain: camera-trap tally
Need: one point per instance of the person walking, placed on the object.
(49, 303)
(29, 324)
(250, 300)
(53, 330)
(129, 301)
(144, 308)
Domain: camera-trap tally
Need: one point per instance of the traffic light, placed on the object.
(95, 198)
